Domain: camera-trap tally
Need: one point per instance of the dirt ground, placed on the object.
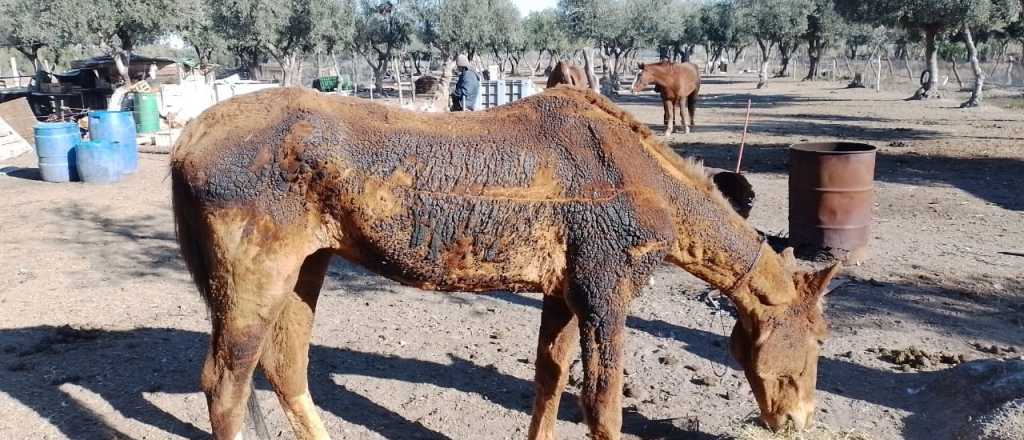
(102, 335)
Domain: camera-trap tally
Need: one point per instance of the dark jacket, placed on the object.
(466, 90)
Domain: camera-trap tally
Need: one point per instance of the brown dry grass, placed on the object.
(818, 432)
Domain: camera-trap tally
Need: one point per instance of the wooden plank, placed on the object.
(19, 116)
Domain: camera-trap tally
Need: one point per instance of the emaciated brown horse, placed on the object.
(678, 84)
(568, 73)
(561, 193)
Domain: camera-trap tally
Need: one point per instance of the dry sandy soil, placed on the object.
(102, 335)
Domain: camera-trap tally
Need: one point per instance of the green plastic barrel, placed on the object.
(147, 112)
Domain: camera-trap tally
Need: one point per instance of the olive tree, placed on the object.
(28, 26)
(285, 30)
(505, 38)
(198, 30)
(464, 26)
(118, 26)
(824, 28)
(984, 15)
(679, 32)
(618, 27)
(772, 22)
(544, 31)
(382, 29)
(722, 29)
(932, 18)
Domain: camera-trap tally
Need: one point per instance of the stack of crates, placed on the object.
(499, 92)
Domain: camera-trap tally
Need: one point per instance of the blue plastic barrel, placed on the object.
(117, 127)
(99, 161)
(55, 146)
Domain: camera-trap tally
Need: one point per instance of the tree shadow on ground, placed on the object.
(988, 178)
(153, 250)
(121, 367)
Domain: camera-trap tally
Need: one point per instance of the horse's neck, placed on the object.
(662, 76)
(718, 246)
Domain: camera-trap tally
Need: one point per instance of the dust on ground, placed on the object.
(102, 335)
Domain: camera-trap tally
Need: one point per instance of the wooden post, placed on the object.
(398, 80)
(355, 76)
(743, 140)
(835, 66)
(14, 72)
(878, 77)
(412, 80)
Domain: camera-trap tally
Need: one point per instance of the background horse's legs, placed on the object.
(555, 345)
(691, 104)
(669, 116)
(285, 359)
(681, 104)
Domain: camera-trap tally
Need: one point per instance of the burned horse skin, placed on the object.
(679, 86)
(570, 74)
(561, 193)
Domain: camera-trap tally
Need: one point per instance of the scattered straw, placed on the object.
(819, 432)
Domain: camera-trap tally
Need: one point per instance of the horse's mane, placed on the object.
(692, 169)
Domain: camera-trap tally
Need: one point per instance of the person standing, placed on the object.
(467, 88)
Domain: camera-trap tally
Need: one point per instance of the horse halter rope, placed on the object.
(750, 270)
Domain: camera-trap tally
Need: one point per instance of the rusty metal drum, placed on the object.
(831, 196)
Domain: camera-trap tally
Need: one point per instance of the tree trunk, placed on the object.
(588, 66)
(979, 75)
(956, 73)
(928, 88)
(814, 56)
(291, 69)
(766, 52)
(906, 63)
(786, 52)
(535, 67)
(1009, 72)
(878, 74)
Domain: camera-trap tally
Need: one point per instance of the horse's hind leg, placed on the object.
(246, 285)
(285, 359)
(691, 104)
(555, 345)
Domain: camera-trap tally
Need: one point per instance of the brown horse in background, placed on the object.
(561, 193)
(568, 73)
(678, 84)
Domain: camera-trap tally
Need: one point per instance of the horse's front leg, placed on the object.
(669, 117)
(687, 122)
(601, 307)
(555, 346)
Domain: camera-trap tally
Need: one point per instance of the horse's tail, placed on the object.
(188, 228)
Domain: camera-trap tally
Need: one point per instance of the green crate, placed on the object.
(326, 83)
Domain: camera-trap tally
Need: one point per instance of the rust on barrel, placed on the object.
(831, 195)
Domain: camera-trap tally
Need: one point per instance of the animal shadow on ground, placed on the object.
(122, 367)
(990, 179)
(934, 409)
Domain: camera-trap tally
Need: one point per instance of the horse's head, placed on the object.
(642, 80)
(778, 349)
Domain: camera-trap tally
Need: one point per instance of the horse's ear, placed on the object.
(788, 258)
(640, 65)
